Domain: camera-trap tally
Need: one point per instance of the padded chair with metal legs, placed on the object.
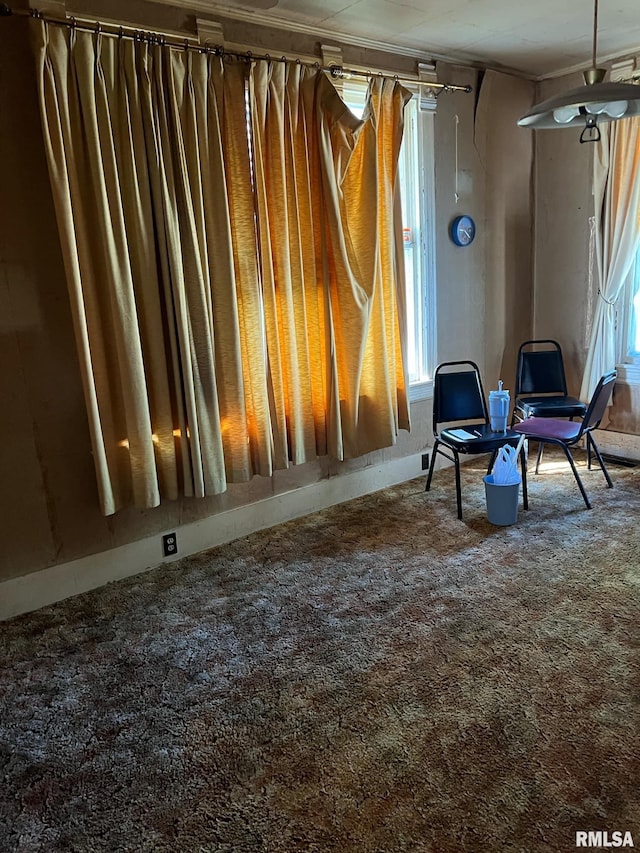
(541, 386)
(459, 402)
(566, 434)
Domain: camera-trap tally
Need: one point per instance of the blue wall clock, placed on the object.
(463, 230)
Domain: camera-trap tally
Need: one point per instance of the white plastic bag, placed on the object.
(505, 471)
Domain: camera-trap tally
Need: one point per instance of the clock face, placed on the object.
(463, 230)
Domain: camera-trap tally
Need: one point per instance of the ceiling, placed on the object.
(533, 38)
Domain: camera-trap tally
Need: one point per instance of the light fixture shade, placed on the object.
(608, 100)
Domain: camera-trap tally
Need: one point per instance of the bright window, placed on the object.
(417, 190)
(416, 171)
(628, 320)
(633, 324)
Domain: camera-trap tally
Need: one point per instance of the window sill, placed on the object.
(421, 391)
(629, 373)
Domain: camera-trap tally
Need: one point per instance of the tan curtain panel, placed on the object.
(331, 258)
(234, 284)
(290, 226)
(364, 264)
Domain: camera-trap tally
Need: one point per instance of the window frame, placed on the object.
(423, 388)
(628, 362)
(628, 320)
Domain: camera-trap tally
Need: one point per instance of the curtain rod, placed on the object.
(127, 31)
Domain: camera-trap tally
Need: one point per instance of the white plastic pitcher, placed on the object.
(499, 402)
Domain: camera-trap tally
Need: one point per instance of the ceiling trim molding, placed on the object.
(50, 7)
(207, 9)
(623, 71)
(210, 32)
(320, 33)
(332, 56)
(582, 66)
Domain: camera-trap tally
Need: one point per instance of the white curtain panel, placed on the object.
(617, 223)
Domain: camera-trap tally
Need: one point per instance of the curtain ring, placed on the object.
(121, 33)
(98, 28)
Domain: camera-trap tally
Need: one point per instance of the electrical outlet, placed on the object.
(425, 461)
(169, 544)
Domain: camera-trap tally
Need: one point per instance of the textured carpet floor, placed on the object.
(378, 676)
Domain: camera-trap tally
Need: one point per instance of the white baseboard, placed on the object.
(622, 444)
(36, 590)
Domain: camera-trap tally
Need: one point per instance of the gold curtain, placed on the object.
(331, 258)
(364, 270)
(234, 285)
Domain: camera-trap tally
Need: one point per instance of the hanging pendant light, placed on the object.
(588, 104)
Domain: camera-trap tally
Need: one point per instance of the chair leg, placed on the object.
(492, 461)
(569, 456)
(456, 462)
(434, 453)
(596, 450)
(523, 467)
(540, 451)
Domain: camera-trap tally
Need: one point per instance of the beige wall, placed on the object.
(461, 278)
(563, 205)
(48, 500)
(565, 287)
(484, 290)
(506, 154)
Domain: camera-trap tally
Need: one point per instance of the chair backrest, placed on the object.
(540, 369)
(599, 402)
(458, 394)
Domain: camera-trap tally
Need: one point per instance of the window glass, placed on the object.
(628, 317)
(633, 334)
